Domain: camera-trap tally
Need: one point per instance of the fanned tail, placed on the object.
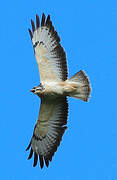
(83, 86)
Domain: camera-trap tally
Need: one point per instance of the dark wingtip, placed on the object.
(43, 15)
(30, 155)
(33, 25)
(48, 16)
(37, 21)
(28, 146)
(35, 159)
(43, 20)
(48, 20)
(46, 162)
(41, 161)
(30, 33)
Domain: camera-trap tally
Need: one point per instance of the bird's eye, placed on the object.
(39, 88)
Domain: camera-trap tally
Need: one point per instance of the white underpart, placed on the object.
(53, 88)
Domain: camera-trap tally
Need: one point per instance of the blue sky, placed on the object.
(88, 31)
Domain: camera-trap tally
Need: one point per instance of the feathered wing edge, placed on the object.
(58, 50)
(60, 129)
(45, 159)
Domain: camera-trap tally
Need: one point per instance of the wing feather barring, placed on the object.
(53, 91)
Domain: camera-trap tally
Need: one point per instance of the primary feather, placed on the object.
(50, 55)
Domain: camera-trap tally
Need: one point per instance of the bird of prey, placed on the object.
(53, 90)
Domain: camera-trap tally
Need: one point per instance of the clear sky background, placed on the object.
(88, 31)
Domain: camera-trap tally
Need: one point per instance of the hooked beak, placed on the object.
(32, 90)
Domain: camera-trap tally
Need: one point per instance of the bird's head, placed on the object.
(37, 90)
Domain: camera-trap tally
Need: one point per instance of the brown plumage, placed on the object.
(53, 91)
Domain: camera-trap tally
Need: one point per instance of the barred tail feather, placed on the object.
(83, 86)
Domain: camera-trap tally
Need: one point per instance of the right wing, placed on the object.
(49, 129)
(50, 55)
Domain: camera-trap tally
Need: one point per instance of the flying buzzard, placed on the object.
(53, 90)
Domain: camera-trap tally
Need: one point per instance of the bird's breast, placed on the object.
(53, 88)
(58, 88)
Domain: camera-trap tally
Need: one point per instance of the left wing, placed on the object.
(49, 54)
(49, 129)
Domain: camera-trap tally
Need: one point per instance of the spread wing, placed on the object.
(48, 130)
(50, 56)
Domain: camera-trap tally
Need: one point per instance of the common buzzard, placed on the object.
(53, 90)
